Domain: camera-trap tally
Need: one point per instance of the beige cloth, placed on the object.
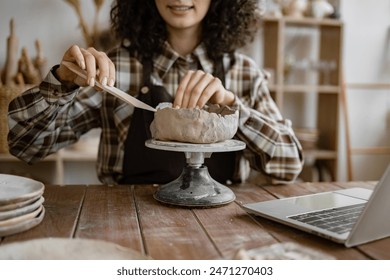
(68, 249)
(282, 251)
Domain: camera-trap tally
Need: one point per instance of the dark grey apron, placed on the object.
(142, 165)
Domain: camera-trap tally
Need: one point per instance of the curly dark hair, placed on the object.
(227, 26)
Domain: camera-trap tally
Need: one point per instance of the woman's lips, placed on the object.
(180, 8)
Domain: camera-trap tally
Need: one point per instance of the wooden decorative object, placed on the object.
(6, 95)
(40, 61)
(10, 68)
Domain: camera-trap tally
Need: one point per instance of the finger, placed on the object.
(111, 76)
(90, 67)
(102, 64)
(215, 92)
(181, 89)
(194, 80)
(198, 91)
(74, 54)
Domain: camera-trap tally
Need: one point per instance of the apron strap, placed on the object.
(219, 70)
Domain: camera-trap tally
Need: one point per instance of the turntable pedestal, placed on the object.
(195, 187)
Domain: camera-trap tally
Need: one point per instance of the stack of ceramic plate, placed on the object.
(21, 204)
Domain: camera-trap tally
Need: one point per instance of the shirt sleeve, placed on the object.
(47, 118)
(272, 147)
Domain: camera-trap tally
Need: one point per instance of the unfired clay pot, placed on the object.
(210, 124)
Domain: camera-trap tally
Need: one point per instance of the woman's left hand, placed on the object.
(197, 88)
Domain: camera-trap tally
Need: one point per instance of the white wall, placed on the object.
(53, 22)
(367, 72)
(367, 40)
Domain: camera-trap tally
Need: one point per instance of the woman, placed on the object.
(171, 50)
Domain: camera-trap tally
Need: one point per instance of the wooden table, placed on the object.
(130, 216)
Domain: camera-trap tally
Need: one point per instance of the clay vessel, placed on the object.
(210, 124)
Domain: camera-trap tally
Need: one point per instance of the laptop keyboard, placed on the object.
(339, 220)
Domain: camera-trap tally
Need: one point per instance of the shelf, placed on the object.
(78, 155)
(324, 107)
(65, 155)
(11, 158)
(305, 88)
(56, 168)
(303, 21)
(320, 154)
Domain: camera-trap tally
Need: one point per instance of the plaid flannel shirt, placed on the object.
(51, 116)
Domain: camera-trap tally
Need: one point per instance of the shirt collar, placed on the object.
(164, 62)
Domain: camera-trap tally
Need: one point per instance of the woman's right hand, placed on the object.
(96, 63)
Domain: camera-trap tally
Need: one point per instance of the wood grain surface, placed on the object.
(129, 216)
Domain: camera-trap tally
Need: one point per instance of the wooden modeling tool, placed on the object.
(113, 90)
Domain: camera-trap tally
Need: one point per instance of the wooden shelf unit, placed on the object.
(66, 166)
(330, 40)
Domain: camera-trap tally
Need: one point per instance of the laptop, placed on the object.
(349, 216)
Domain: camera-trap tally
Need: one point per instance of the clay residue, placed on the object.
(210, 124)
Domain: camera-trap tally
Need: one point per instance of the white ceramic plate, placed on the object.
(22, 226)
(4, 215)
(16, 188)
(20, 219)
(19, 204)
(68, 249)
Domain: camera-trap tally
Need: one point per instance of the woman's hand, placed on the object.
(96, 63)
(197, 88)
